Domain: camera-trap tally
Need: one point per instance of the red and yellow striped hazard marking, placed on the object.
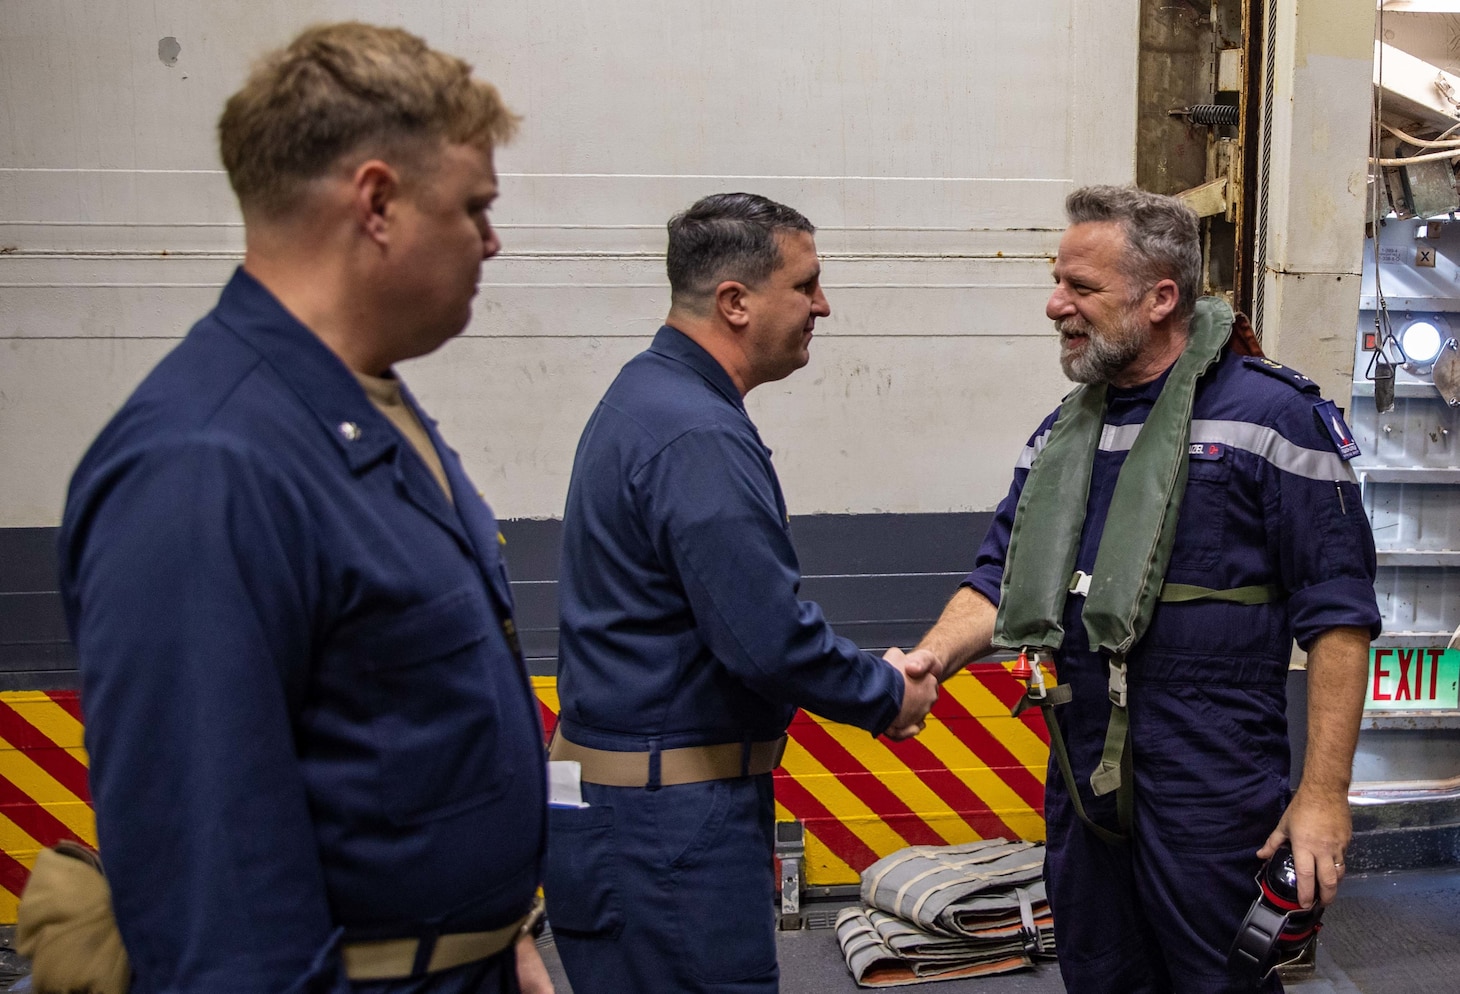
(973, 773)
(43, 793)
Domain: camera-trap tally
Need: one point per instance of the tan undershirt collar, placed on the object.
(385, 394)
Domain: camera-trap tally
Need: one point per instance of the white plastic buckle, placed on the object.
(1036, 689)
(1117, 684)
(1080, 583)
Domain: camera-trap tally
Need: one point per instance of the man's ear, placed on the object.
(375, 187)
(732, 305)
(1164, 297)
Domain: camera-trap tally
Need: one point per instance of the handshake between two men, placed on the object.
(920, 671)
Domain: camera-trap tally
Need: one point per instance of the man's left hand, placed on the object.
(1318, 822)
(1318, 825)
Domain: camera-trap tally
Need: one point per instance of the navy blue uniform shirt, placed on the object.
(303, 707)
(678, 589)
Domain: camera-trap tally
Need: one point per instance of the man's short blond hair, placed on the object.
(343, 89)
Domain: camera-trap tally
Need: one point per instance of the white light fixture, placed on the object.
(1421, 340)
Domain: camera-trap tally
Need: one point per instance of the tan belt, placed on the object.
(691, 764)
(395, 959)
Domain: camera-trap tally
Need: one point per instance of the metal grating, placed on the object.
(821, 917)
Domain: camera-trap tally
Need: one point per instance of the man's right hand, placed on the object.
(920, 672)
(532, 972)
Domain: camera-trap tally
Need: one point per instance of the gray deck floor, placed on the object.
(1388, 934)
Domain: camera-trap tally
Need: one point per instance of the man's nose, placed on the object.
(491, 244)
(1060, 304)
(819, 304)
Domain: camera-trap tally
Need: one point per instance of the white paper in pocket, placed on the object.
(565, 784)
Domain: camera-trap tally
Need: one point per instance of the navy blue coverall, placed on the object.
(306, 718)
(681, 626)
(1269, 501)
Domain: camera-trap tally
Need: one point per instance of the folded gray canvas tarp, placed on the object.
(952, 889)
(870, 941)
(939, 912)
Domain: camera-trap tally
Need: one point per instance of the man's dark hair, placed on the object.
(726, 236)
(1162, 236)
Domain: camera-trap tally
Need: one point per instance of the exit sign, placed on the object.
(1413, 680)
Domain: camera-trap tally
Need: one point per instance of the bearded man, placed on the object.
(1185, 515)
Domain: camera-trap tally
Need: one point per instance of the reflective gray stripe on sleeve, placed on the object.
(1265, 443)
(1026, 458)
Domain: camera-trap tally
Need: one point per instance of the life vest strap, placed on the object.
(1184, 593)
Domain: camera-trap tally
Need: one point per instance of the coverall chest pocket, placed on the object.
(1202, 524)
(433, 679)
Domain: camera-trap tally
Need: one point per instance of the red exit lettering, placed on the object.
(1411, 683)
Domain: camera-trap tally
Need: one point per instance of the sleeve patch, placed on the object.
(1326, 411)
(1281, 372)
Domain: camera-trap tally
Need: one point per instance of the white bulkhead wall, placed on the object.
(931, 141)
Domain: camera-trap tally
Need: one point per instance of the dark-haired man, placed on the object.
(684, 647)
(1182, 518)
(316, 757)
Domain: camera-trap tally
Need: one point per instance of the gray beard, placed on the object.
(1106, 353)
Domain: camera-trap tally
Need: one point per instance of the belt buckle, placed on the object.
(1117, 683)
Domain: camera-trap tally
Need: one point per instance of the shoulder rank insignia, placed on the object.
(1278, 370)
(1326, 411)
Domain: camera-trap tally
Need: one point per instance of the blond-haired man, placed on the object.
(316, 758)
